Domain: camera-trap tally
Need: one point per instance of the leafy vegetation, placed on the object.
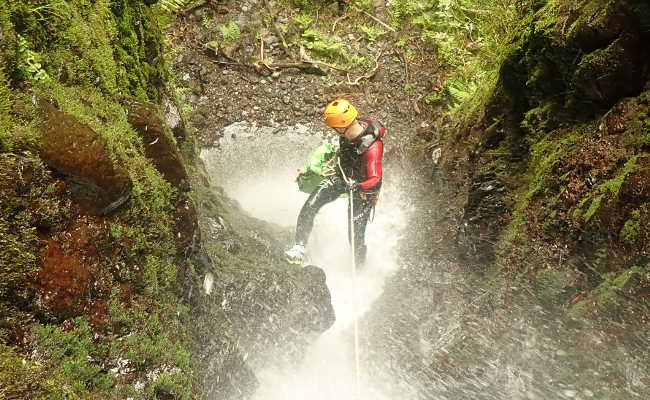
(230, 32)
(5, 113)
(173, 5)
(86, 59)
(323, 45)
(471, 37)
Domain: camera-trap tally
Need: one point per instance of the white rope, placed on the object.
(357, 368)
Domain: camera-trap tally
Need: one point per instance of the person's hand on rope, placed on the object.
(300, 172)
(352, 185)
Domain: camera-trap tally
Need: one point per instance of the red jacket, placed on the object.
(361, 158)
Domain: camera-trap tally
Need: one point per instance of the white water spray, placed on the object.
(257, 166)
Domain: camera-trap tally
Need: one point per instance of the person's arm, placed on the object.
(372, 158)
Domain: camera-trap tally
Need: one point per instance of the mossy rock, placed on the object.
(32, 203)
(554, 285)
(159, 145)
(605, 75)
(600, 22)
(612, 298)
(80, 154)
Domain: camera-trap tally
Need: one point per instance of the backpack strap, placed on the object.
(374, 131)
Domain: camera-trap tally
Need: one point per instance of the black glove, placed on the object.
(300, 173)
(351, 185)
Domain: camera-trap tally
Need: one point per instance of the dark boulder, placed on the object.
(75, 151)
(157, 145)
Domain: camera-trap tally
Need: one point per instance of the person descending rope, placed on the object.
(359, 171)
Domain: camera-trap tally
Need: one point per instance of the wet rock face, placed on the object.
(485, 215)
(278, 310)
(251, 316)
(157, 145)
(187, 235)
(71, 265)
(537, 136)
(608, 74)
(227, 376)
(78, 153)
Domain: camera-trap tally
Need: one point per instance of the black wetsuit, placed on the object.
(360, 160)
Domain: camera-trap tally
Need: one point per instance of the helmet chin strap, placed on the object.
(354, 133)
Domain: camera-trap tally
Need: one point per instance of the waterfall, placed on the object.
(257, 166)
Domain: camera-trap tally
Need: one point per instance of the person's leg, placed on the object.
(327, 191)
(362, 211)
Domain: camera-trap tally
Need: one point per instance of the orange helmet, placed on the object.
(340, 114)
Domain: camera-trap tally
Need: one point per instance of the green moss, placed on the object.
(593, 207)
(6, 122)
(28, 200)
(85, 47)
(95, 54)
(139, 51)
(551, 284)
(607, 294)
(607, 297)
(544, 154)
(147, 224)
(646, 139)
(613, 186)
(152, 340)
(610, 188)
(75, 358)
(630, 231)
(23, 378)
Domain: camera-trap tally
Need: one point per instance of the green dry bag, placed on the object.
(321, 164)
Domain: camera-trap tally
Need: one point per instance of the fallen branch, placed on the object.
(380, 22)
(234, 64)
(308, 66)
(260, 66)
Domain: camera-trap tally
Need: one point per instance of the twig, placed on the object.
(380, 22)
(304, 57)
(368, 75)
(193, 7)
(415, 104)
(326, 65)
(339, 19)
(235, 64)
(277, 31)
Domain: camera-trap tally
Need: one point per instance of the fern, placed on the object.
(372, 32)
(323, 45)
(30, 62)
(173, 5)
(230, 31)
(303, 21)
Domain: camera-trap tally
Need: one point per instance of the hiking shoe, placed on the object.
(295, 254)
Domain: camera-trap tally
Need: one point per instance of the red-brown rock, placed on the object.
(74, 150)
